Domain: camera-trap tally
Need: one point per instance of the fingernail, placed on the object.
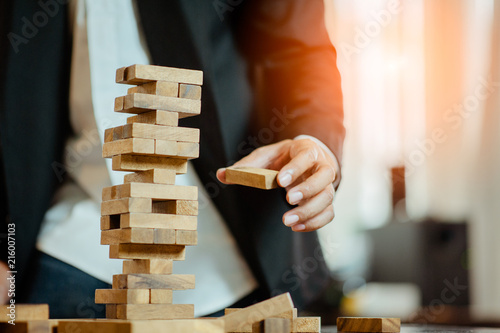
(295, 197)
(298, 227)
(285, 180)
(290, 219)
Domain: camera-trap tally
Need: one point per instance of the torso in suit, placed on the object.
(270, 74)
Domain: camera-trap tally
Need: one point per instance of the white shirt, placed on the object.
(107, 36)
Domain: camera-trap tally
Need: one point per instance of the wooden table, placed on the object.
(431, 329)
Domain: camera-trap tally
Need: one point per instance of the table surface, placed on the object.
(431, 329)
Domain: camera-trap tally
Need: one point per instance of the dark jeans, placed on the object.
(70, 292)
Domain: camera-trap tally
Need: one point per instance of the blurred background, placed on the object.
(417, 227)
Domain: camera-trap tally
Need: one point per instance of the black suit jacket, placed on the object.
(269, 74)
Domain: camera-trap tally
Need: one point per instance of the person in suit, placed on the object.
(271, 98)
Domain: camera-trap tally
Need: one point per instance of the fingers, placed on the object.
(303, 160)
(310, 209)
(316, 222)
(313, 185)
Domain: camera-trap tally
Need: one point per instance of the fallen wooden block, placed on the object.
(141, 163)
(157, 191)
(163, 88)
(168, 133)
(147, 266)
(23, 312)
(189, 91)
(132, 235)
(154, 281)
(136, 146)
(156, 117)
(306, 325)
(157, 176)
(147, 251)
(257, 312)
(154, 311)
(126, 205)
(158, 221)
(122, 296)
(367, 325)
(272, 325)
(291, 315)
(139, 74)
(140, 103)
(254, 177)
(141, 326)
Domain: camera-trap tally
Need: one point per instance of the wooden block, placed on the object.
(133, 235)
(272, 325)
(291, 315)
(23, 312)
(180, 207)
(162, 88)
(157, 191)
(155, 311)
(147, 251)
(138, 74)
(160, 296)
(128, 146)
(110, 311)
(126, 205)
(147, 266)
(157, 117)
(365, 325)
(153, 281)
(170, 133)
(189, 91)
(140, 103)
(120, 75)
(109, 222)
(306, 325)
(141, 163)
(119, 103)
(254, 177)
(212, 325)
(158, 221)
(32, 326)
(257, 312)
(186, 237)
(164, 236)
(122, 296)
(108, 193)
(177, 149)
(108, 135)
(157, 176)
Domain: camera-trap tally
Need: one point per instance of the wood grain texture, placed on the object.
(187, 150)
(147, 251)
(122, 296)
(162, 88)
(189, 91)
(131, 236)
(169, 133)
(126, 205)
(186, 237)
(306, 325)
(120, 75)
(139, 74)
(157, 117)
(157, 191)
(140, 103)
(164, 236)
(136, 146)
(147, 266)
(212, 325)
(159, 221)
(25, 312)
(365, 325)
(155, 311)
(272, 325)
(257, 312)
(157, 176)
(291, 314)
(254, 177)
(141, 163)
(160, 296)
(111, 311)
(154, 281)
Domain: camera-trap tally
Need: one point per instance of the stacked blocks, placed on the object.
(149, 220)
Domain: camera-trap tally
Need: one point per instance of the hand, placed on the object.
(4, 283)
(306, 171)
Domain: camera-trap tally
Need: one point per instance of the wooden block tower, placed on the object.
(149, 220)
